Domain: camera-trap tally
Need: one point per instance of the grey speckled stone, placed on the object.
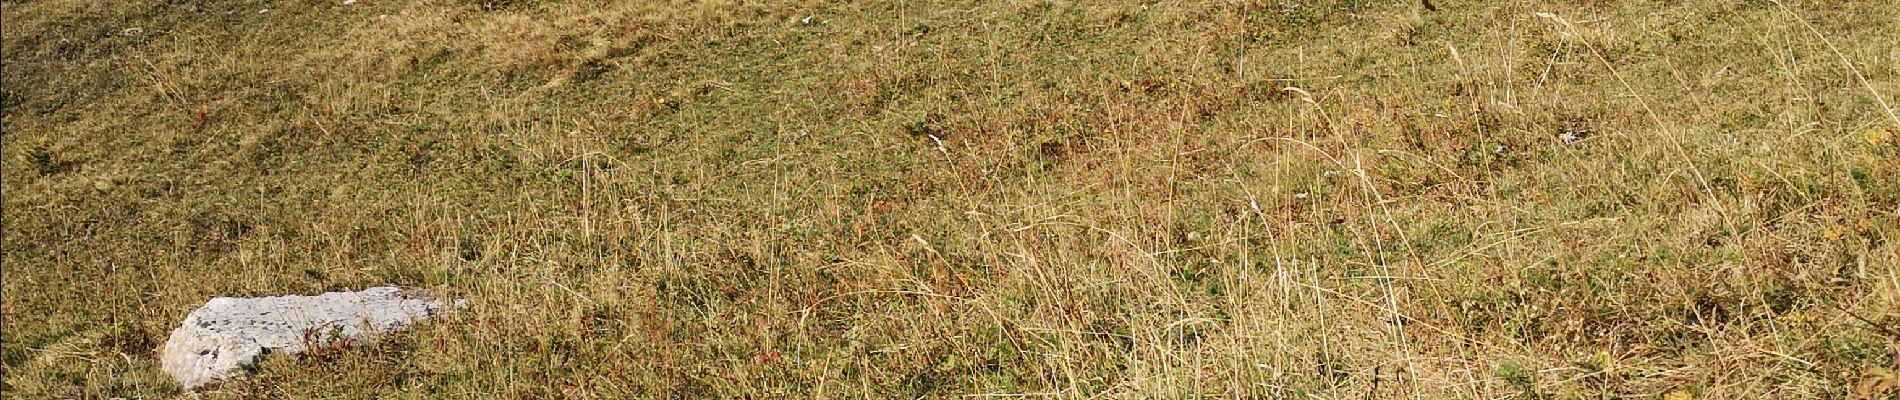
(227, 334)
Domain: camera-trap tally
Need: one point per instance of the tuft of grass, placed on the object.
(40, 160)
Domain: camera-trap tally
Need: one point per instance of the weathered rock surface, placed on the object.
(227, 334)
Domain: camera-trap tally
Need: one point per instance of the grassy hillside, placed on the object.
(902, 199)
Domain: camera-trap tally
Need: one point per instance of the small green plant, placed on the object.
(1519, 377)
(41, 160)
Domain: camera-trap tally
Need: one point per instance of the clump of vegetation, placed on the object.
(40, 160)
(1520, 378)
(1277, 199)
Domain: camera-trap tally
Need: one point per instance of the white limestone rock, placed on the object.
(228, 334)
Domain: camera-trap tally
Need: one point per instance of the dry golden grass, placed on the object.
(801, 199)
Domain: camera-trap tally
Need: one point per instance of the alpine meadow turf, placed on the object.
(900, 199)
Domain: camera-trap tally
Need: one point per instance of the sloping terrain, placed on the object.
(902, 199)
